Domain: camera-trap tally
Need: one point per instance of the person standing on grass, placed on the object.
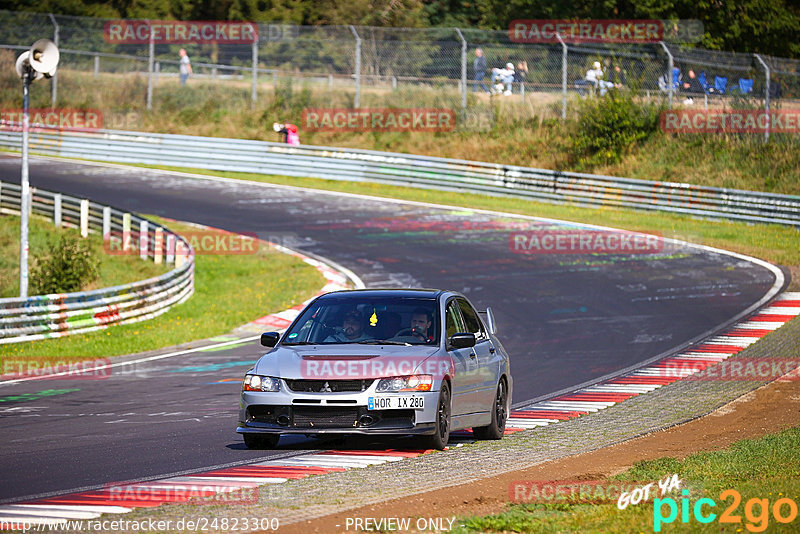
(479, 66)
(185, 66)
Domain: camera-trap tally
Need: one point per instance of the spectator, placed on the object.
(594, 77)
(619, 76)
(521, 74)
(185, 66)
(691, 86)
(479, 65)
(289, 132)
(502, 79)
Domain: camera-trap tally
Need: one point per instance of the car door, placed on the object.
(465, 362)
(488, 361)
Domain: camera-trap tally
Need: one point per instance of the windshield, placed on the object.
(353, 318)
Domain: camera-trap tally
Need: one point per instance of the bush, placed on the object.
(69, 266)
(609, 126)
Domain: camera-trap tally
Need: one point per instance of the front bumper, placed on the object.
(287, 412)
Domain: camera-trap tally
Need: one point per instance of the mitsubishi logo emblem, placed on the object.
(326, 388)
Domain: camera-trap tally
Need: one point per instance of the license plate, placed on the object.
(396, 402)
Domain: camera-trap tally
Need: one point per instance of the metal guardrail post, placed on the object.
(670, 67)
(54, 80)
(766, 95)
(358, 66)
(564, 51)
(254, 87)
(57, 210)
(150, 63)
(463, 69)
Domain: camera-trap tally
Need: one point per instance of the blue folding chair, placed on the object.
(703, 82)
(720, 84)
(745, 86)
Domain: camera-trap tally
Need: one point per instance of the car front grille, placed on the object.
(332, 386)
(318, 417)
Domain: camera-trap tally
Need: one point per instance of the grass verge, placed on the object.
(230, 290)
(765, 469)
(113, 270)
(506, 130)
(773, 243)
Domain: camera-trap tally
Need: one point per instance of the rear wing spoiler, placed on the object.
(490, 322)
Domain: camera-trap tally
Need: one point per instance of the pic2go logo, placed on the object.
(756, 511)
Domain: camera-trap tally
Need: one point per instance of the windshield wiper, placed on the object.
(298, 343)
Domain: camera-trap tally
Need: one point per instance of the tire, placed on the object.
(260, 441)
(438, 440)
(497, 427)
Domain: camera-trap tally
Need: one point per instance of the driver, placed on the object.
(352, 329)
(420, 326)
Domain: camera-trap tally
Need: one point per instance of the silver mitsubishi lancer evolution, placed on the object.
(380, 361)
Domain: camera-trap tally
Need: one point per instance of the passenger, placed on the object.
(352, 329)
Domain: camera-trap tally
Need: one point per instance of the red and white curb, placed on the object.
(671, 369)
(197, 487)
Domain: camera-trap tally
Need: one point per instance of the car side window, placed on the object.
(471, 320)
(453, 321)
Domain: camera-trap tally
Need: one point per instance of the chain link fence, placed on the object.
(372, 64)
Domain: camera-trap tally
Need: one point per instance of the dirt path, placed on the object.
(767, 410)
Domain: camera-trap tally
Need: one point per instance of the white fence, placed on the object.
(49, 316)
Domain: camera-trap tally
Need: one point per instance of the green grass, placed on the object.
(525, 133)
(229, 291)
(114, 269)
(765, 468)
(773, 243)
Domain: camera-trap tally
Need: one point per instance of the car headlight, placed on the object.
(405, 383)
(261, 383)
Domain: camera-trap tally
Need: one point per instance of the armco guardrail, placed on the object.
(410, 170)
(48, 316)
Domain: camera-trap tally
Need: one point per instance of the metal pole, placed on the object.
(54, 85)
(463, 69)
(563, 77)
(254, 88)
(150, 62)
(25, 189)
(670, 67)
(358, 66)
(96, 66)
(766, 95)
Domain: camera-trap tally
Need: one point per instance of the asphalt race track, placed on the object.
(564, 318)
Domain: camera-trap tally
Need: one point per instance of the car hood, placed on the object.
(351, 362)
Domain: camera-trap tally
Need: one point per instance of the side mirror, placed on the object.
(462, 340)
(270, 339)
(490, 323)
